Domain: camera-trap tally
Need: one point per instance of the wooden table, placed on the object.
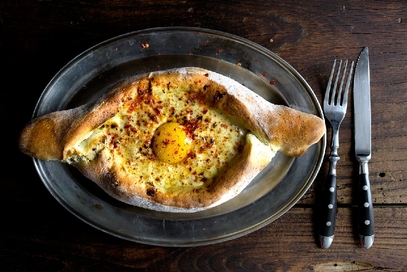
(37, 38)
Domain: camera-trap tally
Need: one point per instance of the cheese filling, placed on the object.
(166, 138)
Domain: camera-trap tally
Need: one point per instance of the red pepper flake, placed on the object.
(113, 140)
(154, 118)
(238, 147)
(157, 110)
(264, 74)
(191, 155)
(218, 96)
(272, 82)
(130, 129)
(150, 192)
(166, 141)
(189, 111)
(145, 45)
(191, 126)
(132, 106)
(218, 52)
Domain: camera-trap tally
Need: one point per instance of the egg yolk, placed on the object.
(171, 143)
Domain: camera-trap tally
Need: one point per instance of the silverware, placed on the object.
(361, 94)
(335, 104)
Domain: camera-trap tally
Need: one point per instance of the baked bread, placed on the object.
(180, 140)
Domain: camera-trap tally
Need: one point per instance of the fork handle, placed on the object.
(328, 212)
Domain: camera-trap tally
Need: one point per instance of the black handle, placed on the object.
(365, 207)
(328, 208)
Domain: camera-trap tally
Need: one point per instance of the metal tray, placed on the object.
(272, 193)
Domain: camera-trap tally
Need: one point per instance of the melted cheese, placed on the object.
(214, 139)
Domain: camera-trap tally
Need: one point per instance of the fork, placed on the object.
(335, 104)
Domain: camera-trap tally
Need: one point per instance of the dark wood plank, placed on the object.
(56, 240)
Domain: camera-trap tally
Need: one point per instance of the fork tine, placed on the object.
(328, 85)
(345, 95)
(341, 95)
(333, 94)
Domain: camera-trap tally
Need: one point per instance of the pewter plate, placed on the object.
(272, 193)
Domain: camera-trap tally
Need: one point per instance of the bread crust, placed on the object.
(276, 127)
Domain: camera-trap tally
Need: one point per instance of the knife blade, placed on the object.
(362, 116)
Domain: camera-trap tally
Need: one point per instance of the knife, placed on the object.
(362, 115)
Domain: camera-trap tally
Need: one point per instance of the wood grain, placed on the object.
(289, 244)
(37, 38)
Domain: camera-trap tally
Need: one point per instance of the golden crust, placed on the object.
(281, 128)
(230, 182)
(50, 136)
(285, 129)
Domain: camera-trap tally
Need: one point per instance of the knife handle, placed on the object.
(328, 211)
(365, 209)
